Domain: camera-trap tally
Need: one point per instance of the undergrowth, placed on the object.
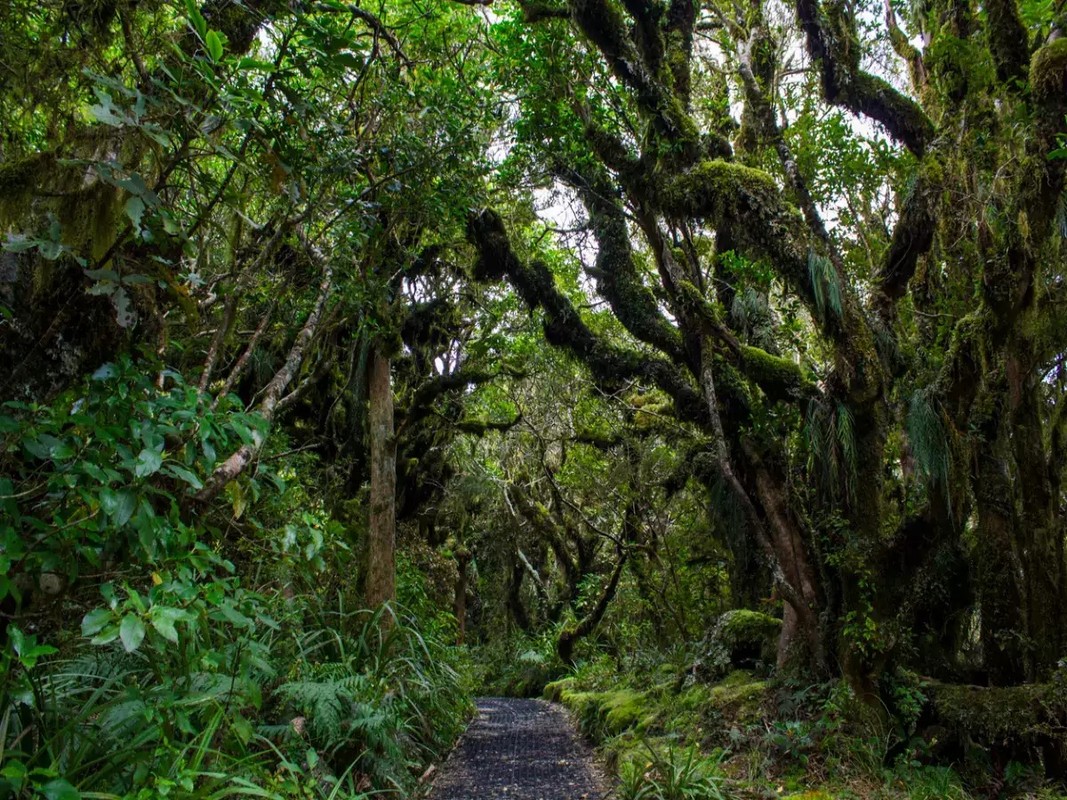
(668, 736)
(153, 653)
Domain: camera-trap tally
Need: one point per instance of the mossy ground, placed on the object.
(765, 739)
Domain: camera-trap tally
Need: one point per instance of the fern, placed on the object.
(832, 452)
(326, 705)
(846, 437)
(825, 284)
(928, 437)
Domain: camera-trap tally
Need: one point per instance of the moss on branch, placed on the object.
(831, 43)
(1048, 73)
(719, 191)
(778, 377)
(914, 232)
(563, 325)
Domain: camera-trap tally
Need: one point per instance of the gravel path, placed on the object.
(519, 750)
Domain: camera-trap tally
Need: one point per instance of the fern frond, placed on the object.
(928, 437)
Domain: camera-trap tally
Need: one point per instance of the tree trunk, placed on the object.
(514, 599)
(1040, 542)
(1001, 603)
(570, 636)
(381, 539)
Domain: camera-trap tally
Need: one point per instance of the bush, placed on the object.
(672, 775)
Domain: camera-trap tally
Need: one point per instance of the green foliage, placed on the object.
(672, 774)
(830, 437)
(927, 437)
(356, 704)
(102, 473)
(825, 284)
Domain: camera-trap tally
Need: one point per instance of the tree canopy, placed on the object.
(355, 352)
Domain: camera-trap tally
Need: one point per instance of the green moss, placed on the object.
(959, 67)
(717, 190)
(626, 709)
(740, 638)
(739, 696)
(604, 714)
(17, 180)
(1048, 71)
(554, 691)
(745, 625)
(693, 301)
(774, 371)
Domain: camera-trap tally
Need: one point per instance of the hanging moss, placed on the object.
(17, 181)
(959, 67)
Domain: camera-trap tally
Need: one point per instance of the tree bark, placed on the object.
(381, 538)
(572, 635)
(272, 394)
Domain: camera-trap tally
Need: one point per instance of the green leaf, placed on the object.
(135, 210)
(184, 474)
(27, 648)
(119, 506)
(94, 621)
(196, 19)
(148, 463)
(255, 64)
(59, 789)
(214, 45)
(163, 620)
(131, 632)
(106, 115)
(106, 636)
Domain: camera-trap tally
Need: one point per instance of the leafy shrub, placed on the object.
(186, 680)
(672, 775)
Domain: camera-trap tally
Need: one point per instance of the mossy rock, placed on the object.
(739, 697)
(740, 639)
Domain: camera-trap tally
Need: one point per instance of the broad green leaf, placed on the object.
(131, 632)
(94, 621)
(196, 19)
(184, 474)
(214, 45)
(60, 789)
(163, 619)
(135, 210)
(105, 114)
(148, 463)
(118, 505)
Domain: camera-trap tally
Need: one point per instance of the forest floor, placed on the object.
(520, 750)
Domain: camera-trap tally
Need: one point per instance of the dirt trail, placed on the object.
(519, 750)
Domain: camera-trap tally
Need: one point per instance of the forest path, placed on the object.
(519, 750)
